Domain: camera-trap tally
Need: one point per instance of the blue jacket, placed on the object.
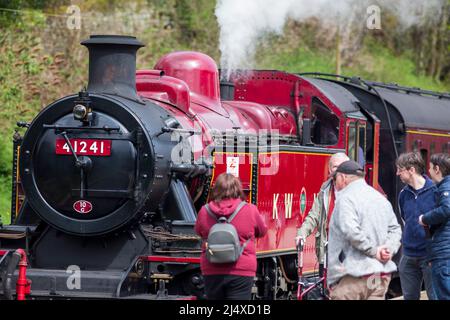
(439, 220)
(412, 203)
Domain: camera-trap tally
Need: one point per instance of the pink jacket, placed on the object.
(248, 222)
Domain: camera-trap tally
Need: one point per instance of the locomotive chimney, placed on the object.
(112, 64)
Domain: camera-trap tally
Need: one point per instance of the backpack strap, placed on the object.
(236, 211)
(244, 245)
(238, 208)
(208, 210)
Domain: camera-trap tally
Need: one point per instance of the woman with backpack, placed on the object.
(228, 226)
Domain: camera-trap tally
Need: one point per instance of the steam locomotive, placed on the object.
(108, 182)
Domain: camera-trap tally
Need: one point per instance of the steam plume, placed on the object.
(244, 23)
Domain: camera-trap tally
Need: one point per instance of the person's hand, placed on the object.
(421, 222)
(299, 240)
(383, 254)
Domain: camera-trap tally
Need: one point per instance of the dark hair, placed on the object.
(411, 160)
(227, 186)
(443, 161)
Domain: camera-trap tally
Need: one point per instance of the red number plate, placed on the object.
(84, 147)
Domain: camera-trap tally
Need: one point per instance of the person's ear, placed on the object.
(437, 169)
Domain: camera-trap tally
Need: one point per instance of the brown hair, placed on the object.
(411, 160)
(443, 161)
(227, 186)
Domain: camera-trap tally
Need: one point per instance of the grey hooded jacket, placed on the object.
(362, 220)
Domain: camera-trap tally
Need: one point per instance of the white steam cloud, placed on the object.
(244, 23)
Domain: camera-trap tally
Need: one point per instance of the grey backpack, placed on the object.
(223, 244)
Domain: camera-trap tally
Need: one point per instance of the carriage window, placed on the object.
(352, 141)
(445, 147)
(325, 124)
(432, 148)
(424, 154)
(369, 142)
(362, 145)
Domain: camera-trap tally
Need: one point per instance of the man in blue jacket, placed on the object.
(438, 220)
(415, 198)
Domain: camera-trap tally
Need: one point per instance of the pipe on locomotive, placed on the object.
(23, 285)
(112, 65)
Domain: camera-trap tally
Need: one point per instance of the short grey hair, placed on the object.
(339, 155)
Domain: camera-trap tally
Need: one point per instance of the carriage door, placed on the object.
(356, 140)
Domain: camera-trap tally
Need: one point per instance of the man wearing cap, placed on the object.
(318, 217)
(364, 235)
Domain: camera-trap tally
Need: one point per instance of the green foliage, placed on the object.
(5, 178)
(17, 12)
(300, 59)
(380, 64)
(21, 85)
(5, 199)
(184, 17)
(375, 62)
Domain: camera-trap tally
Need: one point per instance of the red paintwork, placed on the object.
(23, 286)
(264, 100)
(254, 86)
(198, 70)
(200, 75)
(376, 156)
(276, 88)
(152, 84)
(187, 298)
(3, 252)
(425, 139)
(264, 117)
(297, 173)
